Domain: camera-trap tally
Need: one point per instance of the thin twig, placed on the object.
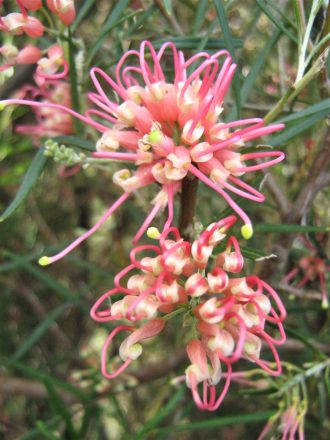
(278, 195)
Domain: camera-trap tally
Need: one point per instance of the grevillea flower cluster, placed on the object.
(172, 127)
(229, 311)
(20, 23)
(168, 127)
(51, 66)
(310, 267)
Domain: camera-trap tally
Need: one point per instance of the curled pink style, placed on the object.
(168, 127)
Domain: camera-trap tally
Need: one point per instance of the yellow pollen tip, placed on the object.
(2, 105)
(325, 304)
(155, 136)
(153, 233)
(44, 261)
(247, 231)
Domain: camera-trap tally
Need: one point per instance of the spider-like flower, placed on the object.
(229, 311)
(171, 126)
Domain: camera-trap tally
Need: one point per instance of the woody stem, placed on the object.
(187, 206)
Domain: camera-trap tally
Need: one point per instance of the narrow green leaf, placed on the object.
(83, 11)
(41, 376)
(35, 169)
(140, 20)
(76, 142)
(219, 421)
(168, 6)
(44, 277)
(256, 68)
(109, 24)
(45, 431)
(252, 253)
(38, 332)
(306, 340)
(60, 408)
(193, 42)
(283, 14)
(199, 16)
(292, 131)
(316, 108)
(16, 264)
(74, 84)
(222, 18)
(164, 412)
(275, 20)
(286, 228)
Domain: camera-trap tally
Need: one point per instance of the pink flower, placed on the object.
(130, 349)
(48, 67)
(64, 9)
(17, 23)
(28, 55)
(231, 315)
(32, 5)
(168, 128)
(178, 123)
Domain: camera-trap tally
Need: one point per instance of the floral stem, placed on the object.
(187, 206)
(296, 88)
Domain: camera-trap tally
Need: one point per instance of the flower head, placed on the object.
(230, 313)
(169, 126)
(64, 9)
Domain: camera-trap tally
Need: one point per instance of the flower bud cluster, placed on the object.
(62, 154)
(19, 23)
(51, 63)
(202, 279)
